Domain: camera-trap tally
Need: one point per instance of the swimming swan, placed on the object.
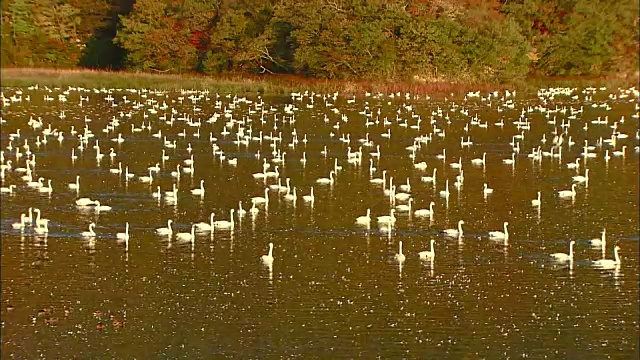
(454, 232)
(400, 256)
(568, 193)
(268, 259)
(500, 234)
(89, 233)
(424, 255)
(609, 263)
(563, 257)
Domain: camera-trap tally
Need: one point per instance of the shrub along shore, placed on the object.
(280, 84)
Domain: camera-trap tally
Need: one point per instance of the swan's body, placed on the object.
(165, 230)
(500, 234)
(329, 180)
(600, 242)
(536, 202)
(582, 179)
(568, 193)
(187, 236)
(387, 219)
(224, 224)
(85, 202)
(365, 219)
(206, 226)
(400, 257)
(99, 207)
(268, 259)
(425, 212)
(125, 235)
(428, 254)
(454, 232)
(76, 185)
(609, 263)
(563, 257)
(89, 233)
(199, 191)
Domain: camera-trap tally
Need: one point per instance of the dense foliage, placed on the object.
(425, 40)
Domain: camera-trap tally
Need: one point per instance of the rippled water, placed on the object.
(335, 288)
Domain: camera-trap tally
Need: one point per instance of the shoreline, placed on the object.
(275, 84)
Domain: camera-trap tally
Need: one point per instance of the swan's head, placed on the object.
(506, 223)
(460, 222)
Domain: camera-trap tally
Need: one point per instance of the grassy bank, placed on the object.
(275, 84)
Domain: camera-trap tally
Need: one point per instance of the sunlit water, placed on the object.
(335, 288)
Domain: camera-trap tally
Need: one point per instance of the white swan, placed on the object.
(536, 202)
(500, 234)
(46, 189)
(187, 236)
(260, 199)
(76, 185)
(563, 257)
(430, 179)
(329, 180)
(268, 259)
(424, 255)
(609, 263)
(454, 232)
(8, 189)
(445, 192)
(89, 233)
(425, 212)
(487, 189)
(224, 224)
(568, 193)
(582, 179)
(99, 207)
(510, 161)
(165, 230)
(400, 257)
(365, 219)
(600, 242)
(206, 226)
(387, 219)
(85, 202)
(309, 198)
(125, 235)
(479, 161)
(20, 225)
(199, 191)
(381, 180)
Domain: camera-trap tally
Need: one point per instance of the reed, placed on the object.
(273, 84)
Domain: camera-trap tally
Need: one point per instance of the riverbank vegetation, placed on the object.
(359, 41)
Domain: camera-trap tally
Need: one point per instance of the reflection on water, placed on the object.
(207, 181)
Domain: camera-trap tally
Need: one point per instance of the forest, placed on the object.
(420, 40)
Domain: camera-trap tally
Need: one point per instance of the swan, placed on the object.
(365, 219)
(117, 170)
(125, 235)
(206, 226)
(310, 197)
(400, 256)
(224, 224)
(568, 193)
(42, 228)
(241, 211)
(609, 263)
(85, 202)
(404, 207)
(146, 179)
(454, 232)
(600, 242)
(381, 180)
(99, 207)
(327, 180)
(199, 191)
(39, 221)
(424, 255)
(260, 199)
(536, 202)
(405, 187)
(268, 259)
(46, 189)
(387, 219)
(8, 189)
(20, 225)
(582, 179)
(36, 184)
(574, 165)
(76, 185)
(165, 230)
(431, 179)
(457, 165)
(89, 233)
(499, 234)
(479, 161)
(445, 192)
(562, 257)
(510, 161)
(291, 196)
(425, 212)
(187, 236)
(487, 189)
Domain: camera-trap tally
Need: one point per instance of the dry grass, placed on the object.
(275, 84)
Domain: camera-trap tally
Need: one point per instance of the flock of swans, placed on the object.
(237, 122)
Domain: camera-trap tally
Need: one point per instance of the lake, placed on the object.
(336, 285)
